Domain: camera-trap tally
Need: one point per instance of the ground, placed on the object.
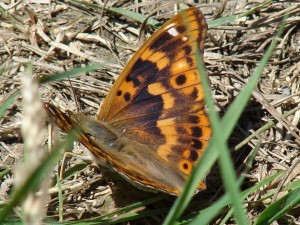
(43, 38)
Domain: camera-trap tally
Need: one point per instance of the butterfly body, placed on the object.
(152, 127)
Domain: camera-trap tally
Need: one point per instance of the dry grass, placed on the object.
(56, 36)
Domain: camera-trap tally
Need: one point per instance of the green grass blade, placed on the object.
(4, 173)
(279, 208)
(124, 12)
(220, 142)
(74, 169)
(229, 19)
(131, 207)
(135, 16)
(227, 124)
(60, 199)
(35, 178)
(239, 103)
(294, 185)
(46, 79)
(207, 215)
(70, 73)
(8, 101)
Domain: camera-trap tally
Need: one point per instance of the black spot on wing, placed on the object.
(193, 155)
(187, 49)
(181, 29)
(190, 61)
(181, 79)
(194, 94)
(127, 96)
(152, 77)
(196, 131)
(196, 144)
(185, 166)
(119, 93)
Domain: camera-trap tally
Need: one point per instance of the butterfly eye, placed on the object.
(99, 133)
(114, 144)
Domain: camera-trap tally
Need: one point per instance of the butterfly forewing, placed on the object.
(158, 98)
(168, 52)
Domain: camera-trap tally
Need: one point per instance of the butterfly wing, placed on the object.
(158, 102)
(152, 127)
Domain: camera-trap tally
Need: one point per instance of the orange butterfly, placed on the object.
(152, 127)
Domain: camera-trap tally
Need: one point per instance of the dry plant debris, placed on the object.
(56, 36)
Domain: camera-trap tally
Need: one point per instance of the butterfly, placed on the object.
(152, 127)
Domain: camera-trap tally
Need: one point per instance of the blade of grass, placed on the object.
(206, 215)
(279, 208)
(4, 173)
(130, 207)
(124, 12)
(74, 169)
(294, 185)
(228, 19)
(7, 102)
(70, 73)
(227, 123)
(241, 179)
(267, 126)
(226, 165)
(60, 199)
(36, 177)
